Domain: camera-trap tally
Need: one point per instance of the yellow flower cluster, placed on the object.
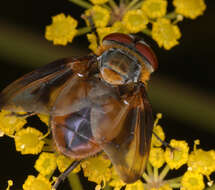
(98, 169)
(149, 17)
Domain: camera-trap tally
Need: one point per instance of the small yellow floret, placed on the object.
(93, 42)
(138, 185)
(116, 181)
(165, 33)
(9, 124)
(44, 118)
(159, 132)
(64, 162)
(28, 141)
(9, 184)
(46, 163)
(179, 156)
(154, 8)
(100, 15)
(190, 8)
(192, 181)
(62, 30)
(135, 20)
(97, 169)
(36, 183)
(202, 161)
(98, 2)
(156, 157)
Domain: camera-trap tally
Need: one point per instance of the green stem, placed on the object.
(113, 4)
(155, 173)
(74, 181)
(130, 5)
(107, 187)
(147, 32)
(171, 15)
(174, 183)
(146, 177)
(138, 5)
(82, 3)
(149, 169)
(211, 188)
(83, 30)
(164, 172)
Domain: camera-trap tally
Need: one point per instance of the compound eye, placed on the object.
(118, 38)
(148, 53)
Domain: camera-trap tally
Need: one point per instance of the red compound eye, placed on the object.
(118, 37)
(148, 53)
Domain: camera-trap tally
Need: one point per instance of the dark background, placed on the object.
(182, 88)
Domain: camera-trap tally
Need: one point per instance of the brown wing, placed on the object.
(125, 135)
(37, 91)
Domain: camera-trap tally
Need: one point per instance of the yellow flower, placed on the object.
(98, 2)
(46, 163)
(62, 30)
(165, 33)
(116, 181)
(192, 181)
(97, 169)
(120, 27)
(93, 42)
(9, 124)
(202, 161)
(102, 32)
(156, 157)
(179, 156)
(44, 118)
(190, 8)
(64, 162)
(135, 20)
(159, 132)
(138, 185)
(37, 183)
(9, 184)
(28, 141)
(100, 15)
(154, 8)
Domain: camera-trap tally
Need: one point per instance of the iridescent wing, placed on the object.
(37, 91)
(125, 136)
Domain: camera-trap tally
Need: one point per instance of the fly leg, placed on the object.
(63, 176)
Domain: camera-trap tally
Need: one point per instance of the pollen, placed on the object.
(177, 157)
(9, 123)
(37, 183)
(202, 161)
(165, 33)
(154, 8)
(135, 20)
(46, 163)
(28, 141)
(93, 42)
(156, 157)
(100, 15)
(44, 118)
(191, 8)
(97, 169)
(62, 30)
(192, 181)
(138, 185)
(160, 133)
(64, 162)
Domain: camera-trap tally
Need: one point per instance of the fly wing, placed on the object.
(126, 137)
(37, 91)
